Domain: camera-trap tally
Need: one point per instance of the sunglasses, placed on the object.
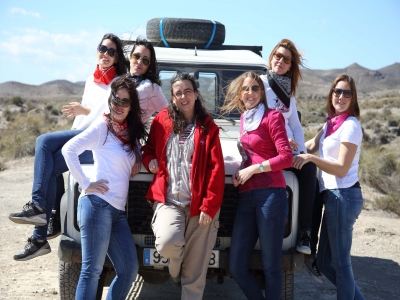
(286, 59)
(136, 57)
(110, 51)
(339, 92)
(125, 102)
(254, 88)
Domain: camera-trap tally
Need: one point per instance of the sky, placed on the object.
(41, 41)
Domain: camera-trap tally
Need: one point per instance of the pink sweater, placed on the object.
(268, 142)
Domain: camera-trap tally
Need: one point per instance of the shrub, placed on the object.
(17, 100)
(390, 202)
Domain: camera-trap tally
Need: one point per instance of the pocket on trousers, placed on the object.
(97, 202)
(354, 202)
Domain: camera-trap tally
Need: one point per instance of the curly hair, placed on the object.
(200, 111)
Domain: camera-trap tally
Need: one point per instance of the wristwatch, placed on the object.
(261, 168)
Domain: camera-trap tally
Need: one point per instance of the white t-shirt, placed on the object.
(293, 126)
(111, 162)
(151, 99)
(350, 131)
(95, 97)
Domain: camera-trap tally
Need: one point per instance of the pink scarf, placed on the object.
(334, 122)
(119, 130)
(105, 75)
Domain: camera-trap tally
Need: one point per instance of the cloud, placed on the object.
(18, 10)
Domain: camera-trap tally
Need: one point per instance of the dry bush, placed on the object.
(390, 202)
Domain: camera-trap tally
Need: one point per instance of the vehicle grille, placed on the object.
(140, 213)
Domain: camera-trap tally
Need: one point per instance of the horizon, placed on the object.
(40, 43)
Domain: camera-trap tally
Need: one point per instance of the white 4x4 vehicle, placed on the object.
(213, 69)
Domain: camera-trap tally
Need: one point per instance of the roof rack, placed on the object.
(256, 49)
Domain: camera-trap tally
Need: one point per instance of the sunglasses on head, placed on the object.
(339, 92)
(137, 57)
(286, 59)
(254, 88)
(110, 51)
(125, 102)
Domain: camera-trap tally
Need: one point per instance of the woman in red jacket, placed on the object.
(184, 152)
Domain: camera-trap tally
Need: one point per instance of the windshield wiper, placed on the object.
(219, 116)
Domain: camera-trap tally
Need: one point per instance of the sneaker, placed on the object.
(176, 281)
(30, 214)
(303, 244)
(33, 249)
(54, 228)
(311, 266)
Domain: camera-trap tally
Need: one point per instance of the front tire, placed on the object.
(68, 279)
(287, 285)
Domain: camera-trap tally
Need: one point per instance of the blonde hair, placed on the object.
(232, 99)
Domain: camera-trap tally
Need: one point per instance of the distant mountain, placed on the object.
(316, 83)
(49, 90)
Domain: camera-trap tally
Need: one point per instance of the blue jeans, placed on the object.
(105, 231)
(261, 214)
(49, 163)
(342, 208)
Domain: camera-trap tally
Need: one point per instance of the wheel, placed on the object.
(287, 285)
(185, 31)
(68, 279)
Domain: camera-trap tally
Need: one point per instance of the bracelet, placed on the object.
(261, 168)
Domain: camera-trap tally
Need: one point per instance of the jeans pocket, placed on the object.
(354, 202)
(97, 202)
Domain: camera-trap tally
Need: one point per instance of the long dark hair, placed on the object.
(121, 63)
(152, 73)
(136, 129)
(200, 111)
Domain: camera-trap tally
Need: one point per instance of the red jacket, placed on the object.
(207, 175)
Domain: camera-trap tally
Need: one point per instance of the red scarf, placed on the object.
(105, 75)
(334, 122)
(119, 130)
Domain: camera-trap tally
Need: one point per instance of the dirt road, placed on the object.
(376, 256)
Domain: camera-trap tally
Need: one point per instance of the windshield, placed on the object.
(210, 82)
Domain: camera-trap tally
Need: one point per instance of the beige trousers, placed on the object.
(186, 244)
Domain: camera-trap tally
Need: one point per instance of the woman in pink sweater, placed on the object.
(262, 207)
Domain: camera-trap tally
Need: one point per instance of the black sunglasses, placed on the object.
(254, 88)
(110, 51)
(339, 92)
(125, 102)
(136, 56)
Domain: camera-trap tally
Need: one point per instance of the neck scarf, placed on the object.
(119, 130)
(105, 75)
(252, 118)
(135, 78)
(334, 122)
(281, 85)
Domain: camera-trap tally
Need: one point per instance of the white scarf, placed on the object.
(252, 118)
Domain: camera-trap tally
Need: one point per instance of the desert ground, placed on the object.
(375, 255)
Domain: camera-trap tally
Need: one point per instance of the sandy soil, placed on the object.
(376, 255)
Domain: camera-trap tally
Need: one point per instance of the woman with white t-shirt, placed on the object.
(339, 146)
(101, 213)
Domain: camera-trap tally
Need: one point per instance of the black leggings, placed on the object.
(307, 187)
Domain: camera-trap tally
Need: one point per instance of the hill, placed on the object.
(315, 84)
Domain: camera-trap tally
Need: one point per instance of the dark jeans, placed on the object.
(342, 208)
(261, 215)
(49, 163)
(307, 180)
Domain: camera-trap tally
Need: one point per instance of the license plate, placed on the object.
(152, 258)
